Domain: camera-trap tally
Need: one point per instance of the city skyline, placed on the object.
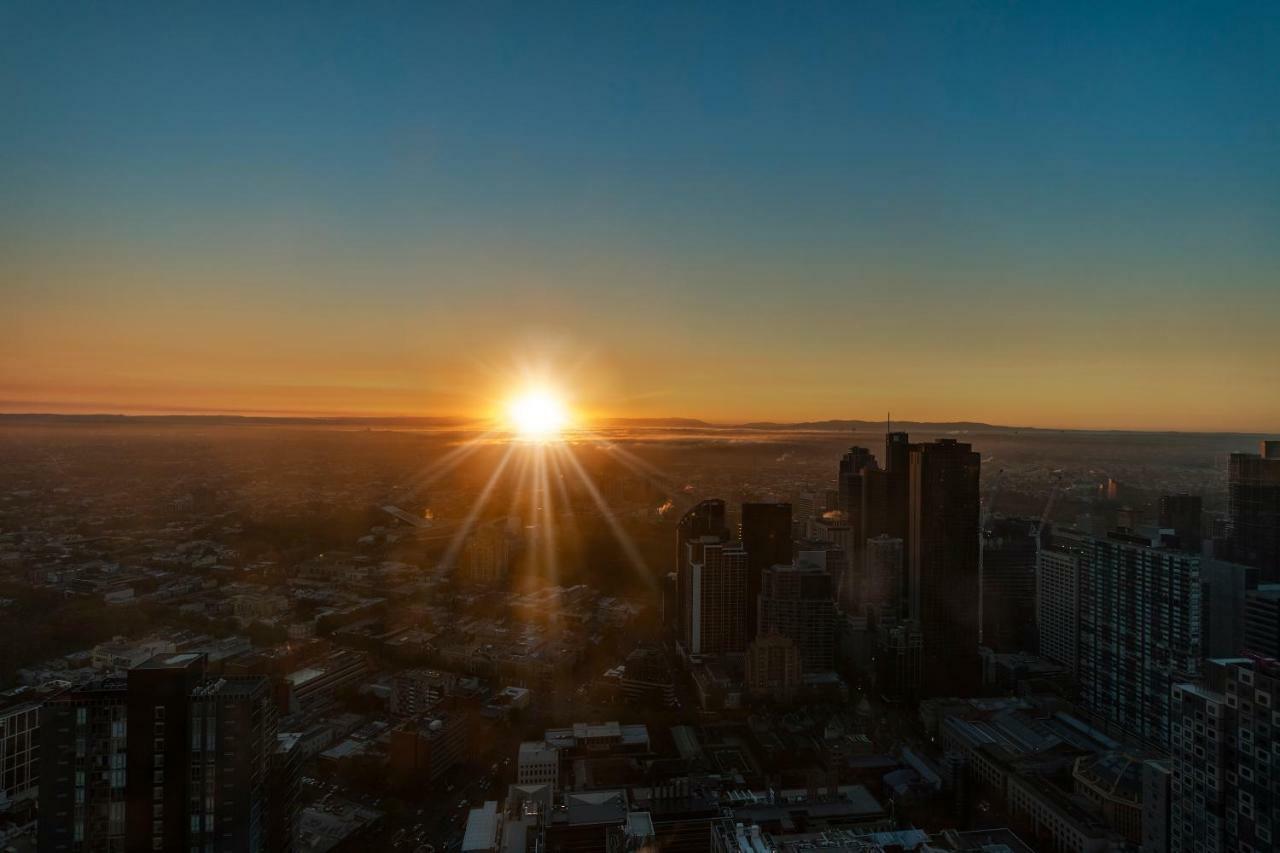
(1026, 216)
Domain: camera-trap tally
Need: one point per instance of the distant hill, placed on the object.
(830, 426)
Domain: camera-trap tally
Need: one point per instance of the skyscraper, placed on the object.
(766, 537)
(883, 505)
(83, 761)
(706, 518)
(717, 605)
(942, 562)
(166, 759)
(1253, 496)
(796, 602)
(1058, 597)
(1139, 631)
(849, 478)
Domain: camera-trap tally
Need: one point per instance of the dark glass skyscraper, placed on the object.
(1009, 584)
(1181, 513)
(942, 562)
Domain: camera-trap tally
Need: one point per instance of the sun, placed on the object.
(537, 414)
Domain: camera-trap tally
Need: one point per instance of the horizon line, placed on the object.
(660, 420)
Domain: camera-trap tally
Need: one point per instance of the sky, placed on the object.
(1043, 214)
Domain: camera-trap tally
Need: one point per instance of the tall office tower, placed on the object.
(1262, 621)
(882, 576)
(1009, 584)
(717, 603)
(942, 563)
(856, 467)
(1253, 509)
(83, 760)
(1181, 513)
(849, 479)
(796, 602)
(1223, 744)
(883, 507)
(766, 537)
(486, 556)
(1139, 631)
(1058, 597)
(706, 518)
(166, 759)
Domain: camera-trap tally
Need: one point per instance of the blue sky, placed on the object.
(831, 183)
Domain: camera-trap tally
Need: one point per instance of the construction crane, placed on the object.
(1054, 488)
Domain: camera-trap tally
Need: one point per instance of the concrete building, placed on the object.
(427, 747)
(538, 763)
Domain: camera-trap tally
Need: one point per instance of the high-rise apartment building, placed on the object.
(20, 744)
(83, 762)
(1058, 597)
(1139, 631)
(1253, 495)
(796, 602)
(942, 562)
(716, 606)
(1225, 793)
(167, 759)
(766, 537)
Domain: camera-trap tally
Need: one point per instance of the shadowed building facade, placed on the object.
(942, 562)
(766, 537)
